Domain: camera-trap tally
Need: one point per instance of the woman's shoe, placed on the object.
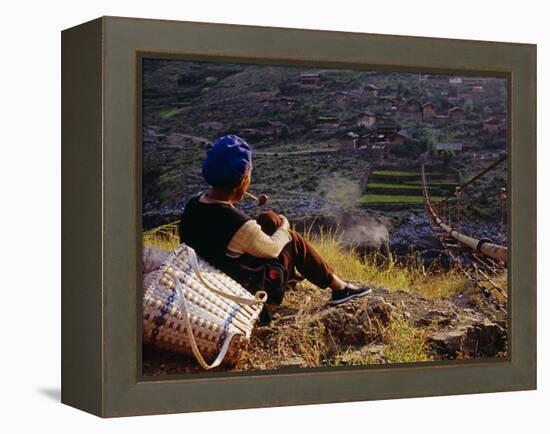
(346, 294)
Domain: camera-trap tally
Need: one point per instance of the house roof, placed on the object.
(351, 135)
(448, 147)
(492, 121)
(388, 122)
(276, 123)
(404, 133)
(352, 93)
(284, 98)
(454, 109)
(428, 104)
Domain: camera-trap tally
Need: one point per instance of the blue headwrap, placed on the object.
(227, 162)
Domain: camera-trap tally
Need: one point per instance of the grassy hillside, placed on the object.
(374, 268)
(403, 187)
(306, 333)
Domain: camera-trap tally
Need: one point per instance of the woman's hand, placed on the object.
(271, 221)
(284, 222)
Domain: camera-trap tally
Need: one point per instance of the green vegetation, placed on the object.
(405, 343)
(171, 112)
(433, 183)
(401, 342)
(448, 157)
(403, 187)
(394, 173)
(385, 271)
(348, 263)
(373, 185)
(481, 199)
(388, 198)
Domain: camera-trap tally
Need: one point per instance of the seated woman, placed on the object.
(225, 236)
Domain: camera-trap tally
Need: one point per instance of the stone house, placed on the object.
(389, 104)
(456, 113)
(493, 124)
(442, 78)
(327, 122)
(272, 128)
(428, 111)
(473, 92)
(366, 119)
(379, 150)
(477, 92)
(370, 91)
(365, 140)
(349, 141)
(346, 97)
(282, 102)
(400, 137)
(501, 116)
(386, 127)
(310, 79)
(440, 148)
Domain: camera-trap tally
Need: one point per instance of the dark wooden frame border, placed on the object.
(101, 366)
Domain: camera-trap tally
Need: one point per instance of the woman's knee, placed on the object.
(269, 221)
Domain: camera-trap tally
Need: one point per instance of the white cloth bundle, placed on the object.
(191, 307)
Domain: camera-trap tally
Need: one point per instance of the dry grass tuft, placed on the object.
(376, 269)
(405, 343)
(296, 336)
(384, 270)
(164, 237)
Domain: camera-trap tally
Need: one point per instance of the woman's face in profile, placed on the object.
(241, 189)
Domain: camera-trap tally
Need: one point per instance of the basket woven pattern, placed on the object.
(220, 312)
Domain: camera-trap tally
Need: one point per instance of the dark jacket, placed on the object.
(209, 227)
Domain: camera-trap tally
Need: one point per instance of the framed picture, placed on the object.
(259, 216)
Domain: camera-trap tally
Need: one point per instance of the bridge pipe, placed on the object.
(484, 246)
(495, 251)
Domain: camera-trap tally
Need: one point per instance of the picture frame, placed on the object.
(101, 226)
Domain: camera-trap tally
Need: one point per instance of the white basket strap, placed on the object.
(260, 297)
(183, 309)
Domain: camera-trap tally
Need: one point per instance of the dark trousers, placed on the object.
(298, 254)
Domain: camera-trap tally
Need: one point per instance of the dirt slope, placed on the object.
(384, 327)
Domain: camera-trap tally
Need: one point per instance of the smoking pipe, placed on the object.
(261, 200)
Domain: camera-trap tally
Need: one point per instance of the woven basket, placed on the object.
(191, 307)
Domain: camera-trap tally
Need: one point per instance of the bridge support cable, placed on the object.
(483, 246)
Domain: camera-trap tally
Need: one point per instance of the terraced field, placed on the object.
(391, 189)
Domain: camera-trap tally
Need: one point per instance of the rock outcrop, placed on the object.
(357, 330)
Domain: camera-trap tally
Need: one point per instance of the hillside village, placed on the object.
(375, 111)
(330, 139)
